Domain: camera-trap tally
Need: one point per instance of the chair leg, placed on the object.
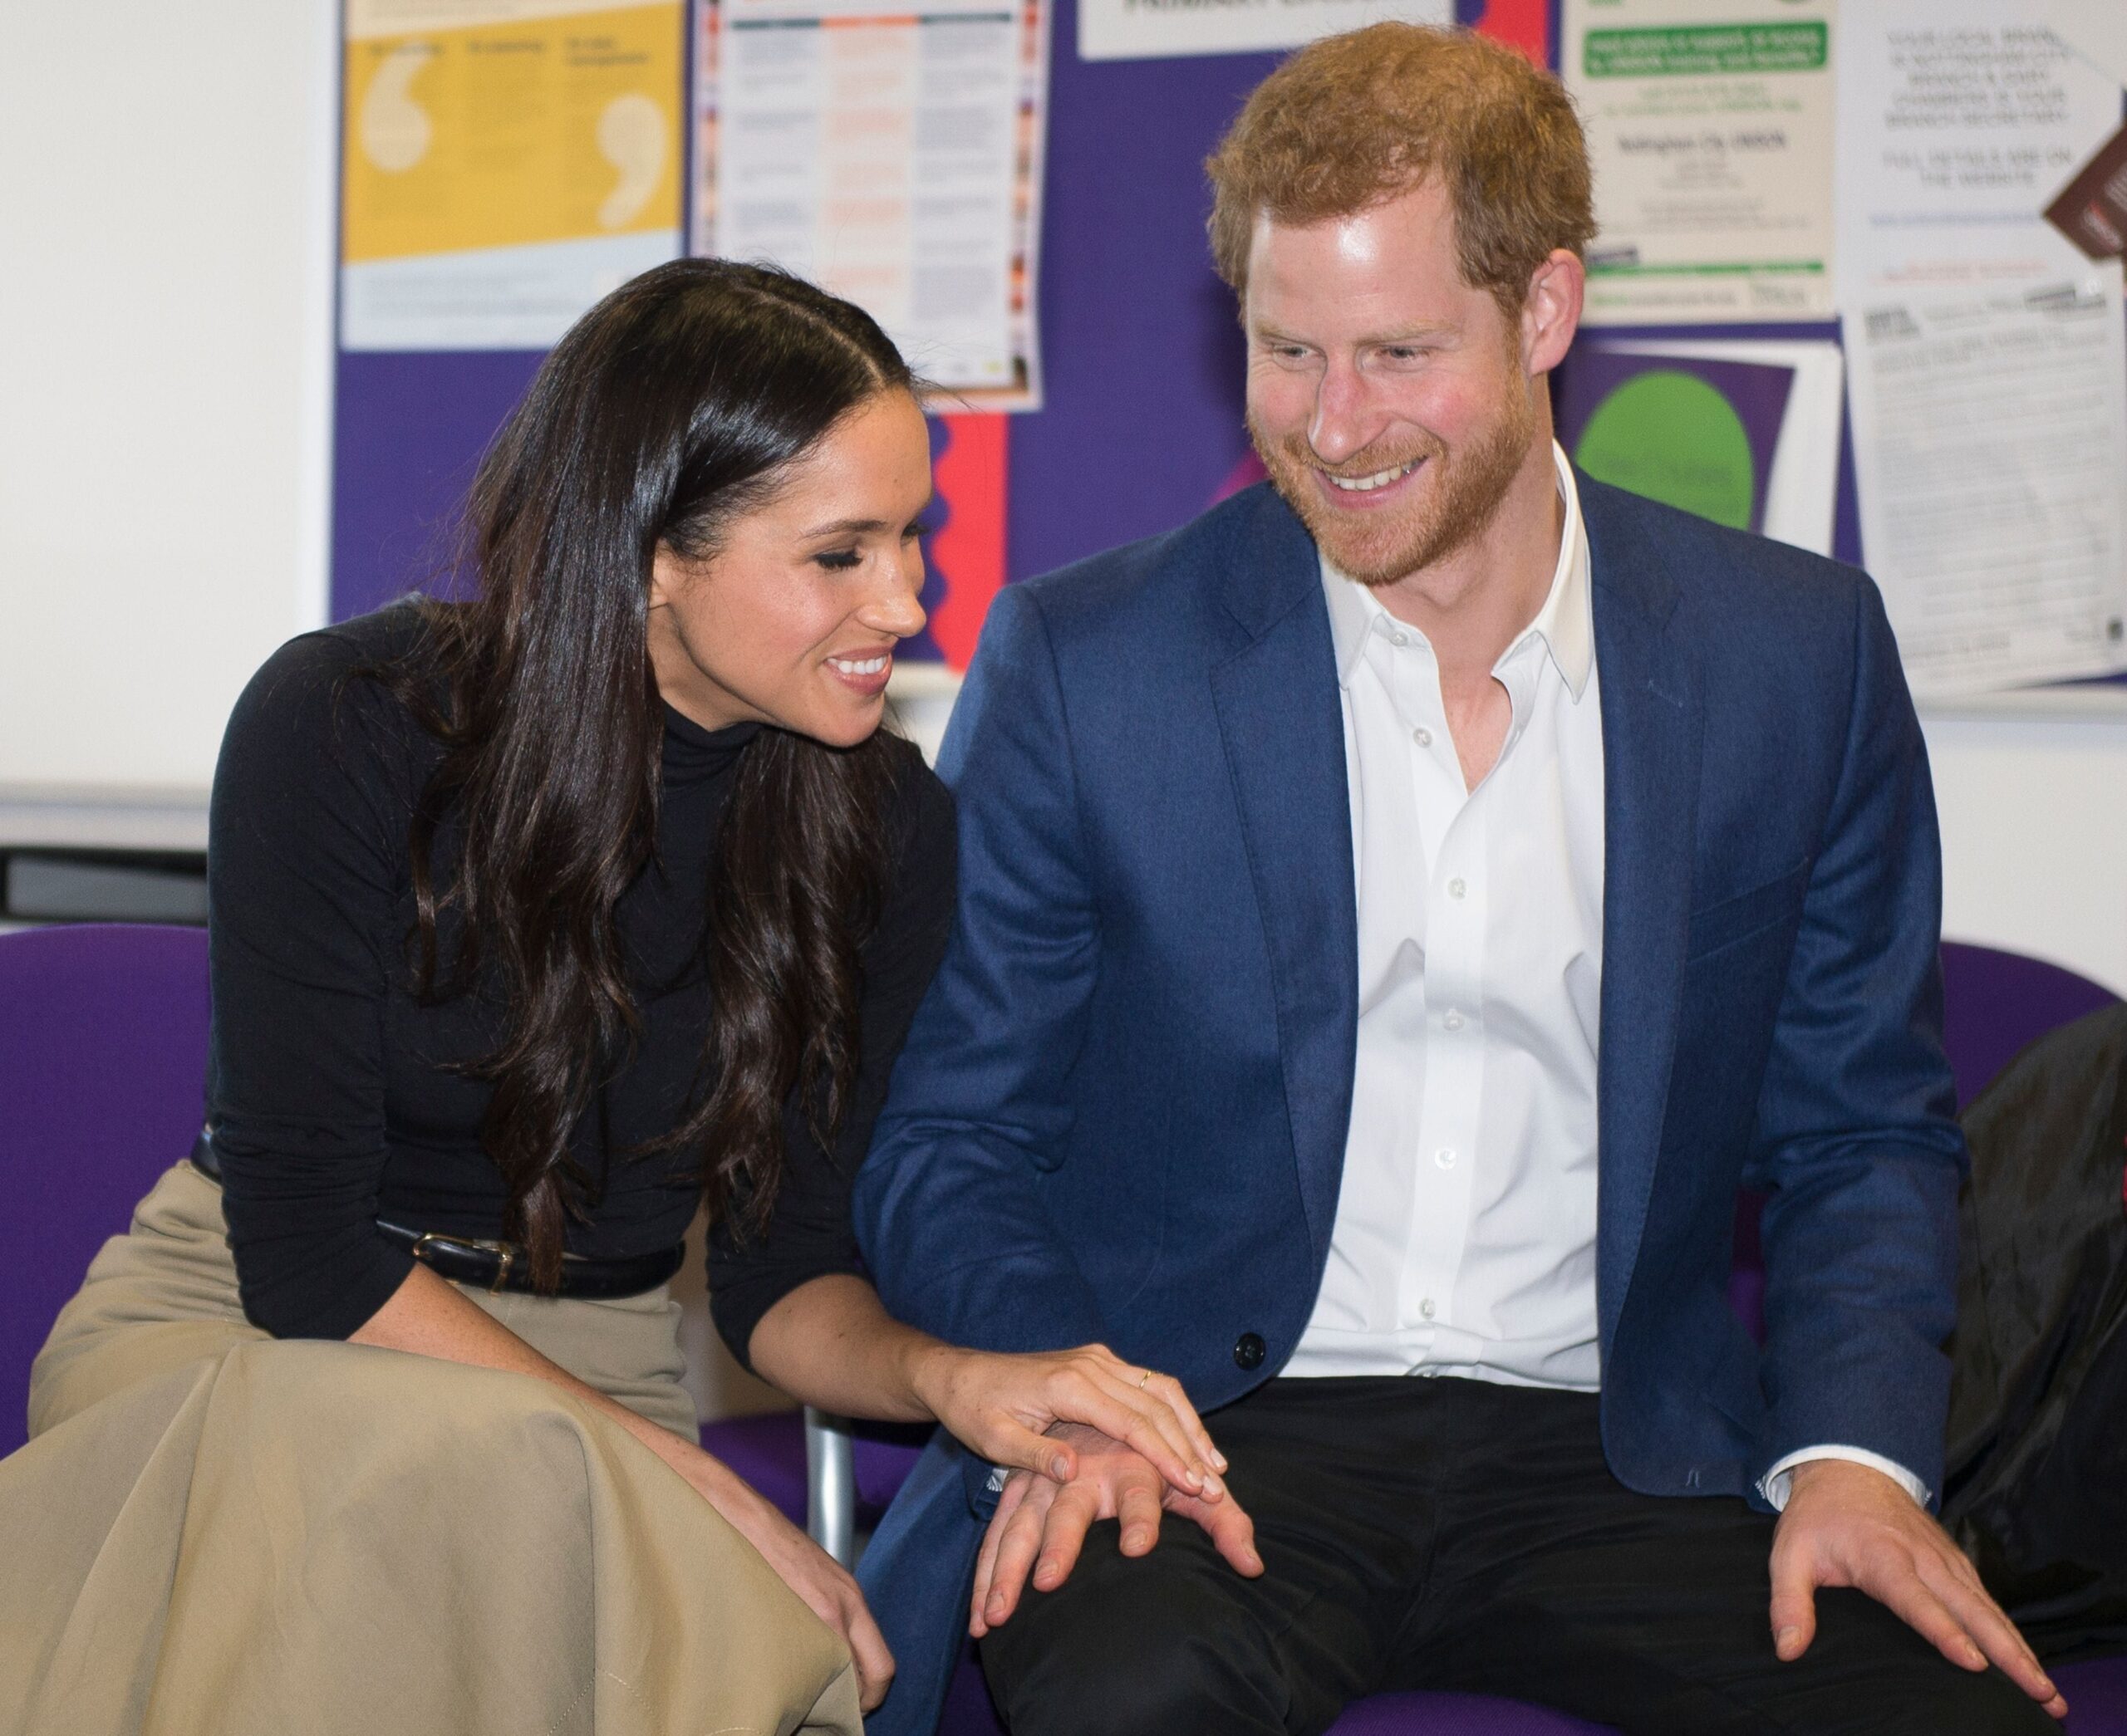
(831, 1486)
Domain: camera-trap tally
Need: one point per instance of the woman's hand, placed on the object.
(828, 1590)
(831, 1343)
(1001, 1405)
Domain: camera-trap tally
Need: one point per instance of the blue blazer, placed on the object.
(1120, 1113)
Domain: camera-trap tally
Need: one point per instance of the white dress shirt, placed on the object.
(1464, 1236)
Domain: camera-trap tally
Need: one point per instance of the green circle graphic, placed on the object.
(1673, 438)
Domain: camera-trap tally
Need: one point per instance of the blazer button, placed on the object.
(1248, 1351)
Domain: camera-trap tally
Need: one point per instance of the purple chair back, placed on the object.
(103, 1056)
(1996, 1004)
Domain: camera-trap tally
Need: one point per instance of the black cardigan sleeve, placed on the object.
(306, 844)
(809, 1233)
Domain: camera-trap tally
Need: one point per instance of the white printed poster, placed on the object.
(1128, 30)
(892, 156)
(1988, 356)
(1992, 454)
(1709, 127)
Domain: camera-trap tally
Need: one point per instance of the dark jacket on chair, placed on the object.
(2037, 1484)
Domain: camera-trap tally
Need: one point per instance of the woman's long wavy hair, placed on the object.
(679, 401)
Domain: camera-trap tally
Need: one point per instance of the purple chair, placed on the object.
(1995, 1004)
(103, 1056)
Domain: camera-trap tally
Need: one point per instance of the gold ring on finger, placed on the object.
(1144, 1379)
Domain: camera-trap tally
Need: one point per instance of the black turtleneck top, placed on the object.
(335, 1097)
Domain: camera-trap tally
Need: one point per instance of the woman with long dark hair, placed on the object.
(538, 920)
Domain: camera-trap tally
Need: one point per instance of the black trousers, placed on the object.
(1449, 1533)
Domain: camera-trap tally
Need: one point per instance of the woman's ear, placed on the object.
(668, 575)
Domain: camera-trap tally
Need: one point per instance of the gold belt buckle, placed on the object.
(504, 1254)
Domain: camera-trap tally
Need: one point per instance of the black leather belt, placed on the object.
(505, 1265)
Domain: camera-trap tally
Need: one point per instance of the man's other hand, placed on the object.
(1848, 1524)
(1041, 1523)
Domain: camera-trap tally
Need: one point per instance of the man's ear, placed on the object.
(1551, 312)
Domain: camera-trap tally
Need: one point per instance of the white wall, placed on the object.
(2032, 793)
(166, 208)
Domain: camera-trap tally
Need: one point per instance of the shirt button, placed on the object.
(1453, 1022)
(1456, 889)
(1424, 738)
(1248, 1351)
(1425, 1307)
(1399, 639)
(1445, 1157)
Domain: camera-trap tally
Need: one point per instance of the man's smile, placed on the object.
(1367, 484)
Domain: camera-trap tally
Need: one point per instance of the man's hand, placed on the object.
(1847, 1524)
(1042, 1524)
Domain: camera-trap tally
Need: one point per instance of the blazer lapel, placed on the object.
(1284, 732)
(1651, 741)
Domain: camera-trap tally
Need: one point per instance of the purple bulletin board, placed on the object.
(1141, 359)
(1141, 427)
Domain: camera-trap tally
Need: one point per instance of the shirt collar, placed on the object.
(1565, 624)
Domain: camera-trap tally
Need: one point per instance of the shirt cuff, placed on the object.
(1776, 1482)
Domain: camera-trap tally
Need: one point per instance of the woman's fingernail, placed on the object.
(1219, 1460)
(1780, 1639)
(1059, 1468)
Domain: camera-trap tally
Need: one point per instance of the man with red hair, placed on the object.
(1399, 911)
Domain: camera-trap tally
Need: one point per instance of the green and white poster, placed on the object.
(1709, 126)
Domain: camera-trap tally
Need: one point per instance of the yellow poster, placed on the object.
(504, 162)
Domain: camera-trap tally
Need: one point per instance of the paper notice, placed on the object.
(1992, 439)
(1986, 353)
(1709, 127)
(892, 156)
(1958, 123)
(1117, 30)
(504, 164)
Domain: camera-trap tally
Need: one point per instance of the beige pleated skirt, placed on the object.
(212, 1530)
